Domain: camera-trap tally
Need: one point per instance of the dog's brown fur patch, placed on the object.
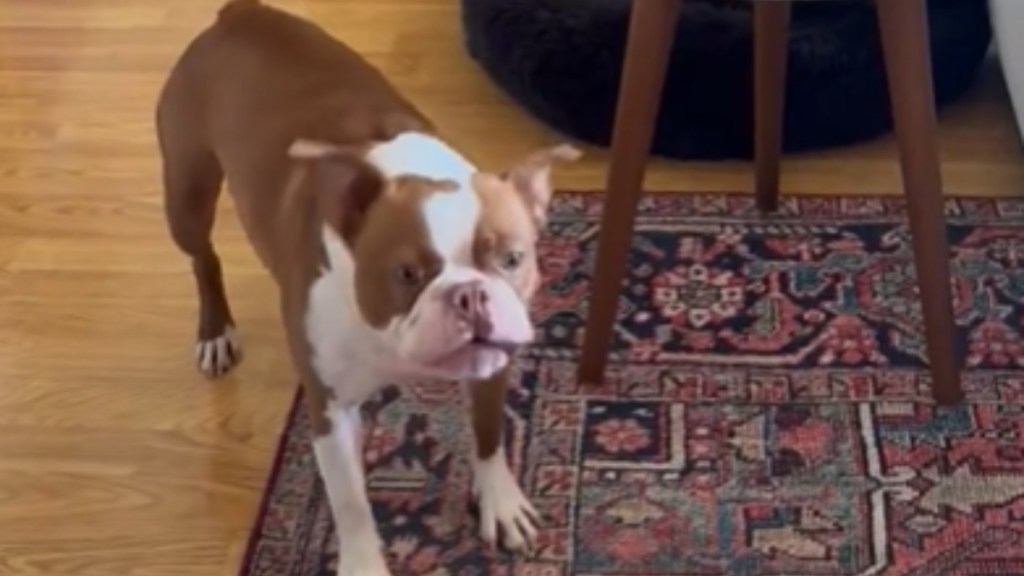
(394, 257)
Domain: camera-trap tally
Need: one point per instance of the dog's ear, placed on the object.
(531, 177)
(346, 186)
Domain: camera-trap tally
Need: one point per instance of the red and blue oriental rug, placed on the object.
(767, 411)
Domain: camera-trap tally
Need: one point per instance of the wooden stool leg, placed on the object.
(651, 33)
(771, 48)
(904, 32)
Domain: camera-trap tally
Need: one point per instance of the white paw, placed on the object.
(364, 560)
(503, 505)
(217, 356)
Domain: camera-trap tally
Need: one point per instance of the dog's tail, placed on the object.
(235, 6)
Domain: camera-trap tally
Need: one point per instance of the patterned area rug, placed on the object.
(767, 411)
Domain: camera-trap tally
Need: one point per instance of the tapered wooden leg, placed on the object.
(651, 34)
(904, 32)
(771, 48)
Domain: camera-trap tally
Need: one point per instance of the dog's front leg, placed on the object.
(338, 445)
(500, 499)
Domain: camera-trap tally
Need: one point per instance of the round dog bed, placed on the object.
(561, 60)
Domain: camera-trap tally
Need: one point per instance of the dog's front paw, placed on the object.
(362, 556)
(503, 506)
(363, 564)
(217, 356)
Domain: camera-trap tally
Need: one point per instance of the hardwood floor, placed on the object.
(116, 457)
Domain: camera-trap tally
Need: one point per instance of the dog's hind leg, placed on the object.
(192, 178)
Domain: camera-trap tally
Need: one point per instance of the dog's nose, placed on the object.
(469, 300)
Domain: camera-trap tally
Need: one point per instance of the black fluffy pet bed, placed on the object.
(561, 59)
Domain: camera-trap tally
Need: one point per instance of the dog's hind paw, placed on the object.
(217, 356)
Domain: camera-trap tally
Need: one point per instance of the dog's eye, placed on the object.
(511, 260)
(407, 275)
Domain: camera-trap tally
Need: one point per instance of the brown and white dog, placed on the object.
(396, 259)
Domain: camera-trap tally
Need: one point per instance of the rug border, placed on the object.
(276, 467)
(959, 204)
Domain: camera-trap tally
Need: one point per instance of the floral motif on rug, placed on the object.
(767, 410)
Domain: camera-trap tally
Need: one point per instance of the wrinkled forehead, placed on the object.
(447, 221)
(450, 221)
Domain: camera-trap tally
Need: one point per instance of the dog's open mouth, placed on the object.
(471, 350)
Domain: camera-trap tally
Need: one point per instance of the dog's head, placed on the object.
(441, 271)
